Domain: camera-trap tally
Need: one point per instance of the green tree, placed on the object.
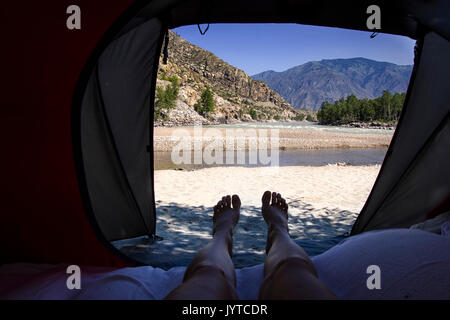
(252, 113)
(397, 104)
(205, 104)
(352, 111)
(166, 97)
(386, 108)
(386, 102)
(299, 116)
(366, 111)
(322, 114)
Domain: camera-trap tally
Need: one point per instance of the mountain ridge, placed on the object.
(306, 86)
(237, 96)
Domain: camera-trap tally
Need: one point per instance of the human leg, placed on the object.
(288, 271)
(211, 275)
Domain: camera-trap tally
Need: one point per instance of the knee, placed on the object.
(212, 278)
(211, 283)
(293, 265)
(283, 277)
(297, 263)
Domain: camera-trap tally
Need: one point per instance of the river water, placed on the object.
(368, 156)
(356, 157)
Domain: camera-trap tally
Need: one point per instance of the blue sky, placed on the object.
(260, 47)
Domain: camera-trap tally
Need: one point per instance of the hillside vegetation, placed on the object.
(384, 109)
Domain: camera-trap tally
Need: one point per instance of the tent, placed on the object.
(76, 118)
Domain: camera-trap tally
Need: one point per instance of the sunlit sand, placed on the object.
(323, 204)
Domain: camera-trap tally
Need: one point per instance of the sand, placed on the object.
(332, 186)
(323, 201)
(323, 205)
(166, 138)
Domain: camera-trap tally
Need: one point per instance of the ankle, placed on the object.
(223, 233)
(277, 228)
(276, 233)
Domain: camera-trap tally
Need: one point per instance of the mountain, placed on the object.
(308, 85)
(237, 96)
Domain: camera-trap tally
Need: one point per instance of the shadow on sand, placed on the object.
(186, 229)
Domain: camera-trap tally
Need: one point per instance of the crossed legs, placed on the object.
(288, 271)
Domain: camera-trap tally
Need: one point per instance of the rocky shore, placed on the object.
(370, 125)
(167, 138)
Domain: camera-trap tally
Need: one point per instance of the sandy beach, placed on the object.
(332, 186)
(165, 138)
(323, 205)
(324, 200)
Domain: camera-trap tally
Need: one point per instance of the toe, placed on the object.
(219, 205)
(279, 199)
(284, 205)
(228, 201)
(236, 202)
(224, 201)
(274, 198)
(266, 198)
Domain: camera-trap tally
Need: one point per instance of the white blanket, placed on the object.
(413, 264)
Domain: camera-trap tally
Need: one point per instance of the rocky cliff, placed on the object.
(237, 97)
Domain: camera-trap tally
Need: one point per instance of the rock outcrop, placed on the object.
(237, 97)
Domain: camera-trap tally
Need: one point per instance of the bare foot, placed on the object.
(226, 214)
(275, 214)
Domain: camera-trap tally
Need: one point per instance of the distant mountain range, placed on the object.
(308, 85)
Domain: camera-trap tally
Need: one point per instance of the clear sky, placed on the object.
(260, 47)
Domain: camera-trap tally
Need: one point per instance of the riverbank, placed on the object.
(308, 137)
(370, 125)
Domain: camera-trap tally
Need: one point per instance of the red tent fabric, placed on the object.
(43, 219)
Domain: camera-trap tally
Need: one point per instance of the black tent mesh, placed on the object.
(116, 133)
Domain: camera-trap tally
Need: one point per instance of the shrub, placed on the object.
(164, 76)
(205, 104)
(299, 117)
(253, 114)
(166, 97)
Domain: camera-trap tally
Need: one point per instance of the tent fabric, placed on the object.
(125, 73)
(43, 216)
(114, 208)
(57, 201)
(415, 175)
(401, 277)
(400, 17)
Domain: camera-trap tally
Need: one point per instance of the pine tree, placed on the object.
(166, 97)
(205, 104)
(386, 108)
